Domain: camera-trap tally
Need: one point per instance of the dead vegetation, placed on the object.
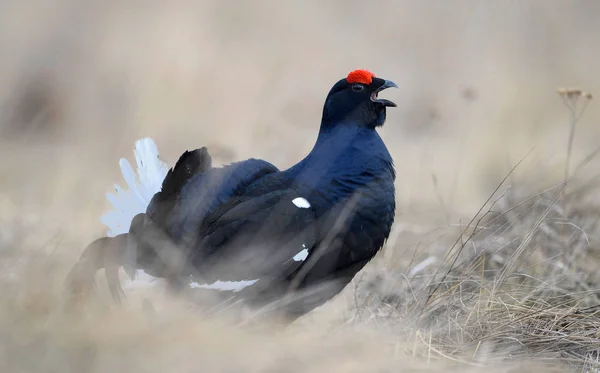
(518, 286)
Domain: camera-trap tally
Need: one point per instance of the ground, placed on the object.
(80, 82)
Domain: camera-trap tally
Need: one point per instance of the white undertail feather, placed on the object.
(234, 286)
(127, 203)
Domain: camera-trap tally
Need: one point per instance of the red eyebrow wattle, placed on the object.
(360, 76)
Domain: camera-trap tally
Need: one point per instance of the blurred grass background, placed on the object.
(81, 81)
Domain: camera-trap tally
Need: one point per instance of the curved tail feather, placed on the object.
(190, 163)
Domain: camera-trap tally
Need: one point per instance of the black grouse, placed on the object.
(289, 239)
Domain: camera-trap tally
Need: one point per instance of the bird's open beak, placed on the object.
(382, 101)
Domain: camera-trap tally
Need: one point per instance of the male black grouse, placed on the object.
(293, 238)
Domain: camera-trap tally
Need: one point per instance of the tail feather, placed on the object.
(151, 169)
(190, 163)
(127, 203)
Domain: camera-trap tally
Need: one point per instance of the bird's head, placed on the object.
(354, 100)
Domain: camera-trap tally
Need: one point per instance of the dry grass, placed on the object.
(515, 285)
(511, 291)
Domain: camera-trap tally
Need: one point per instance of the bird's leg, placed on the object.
(130, 256)
(105, 252)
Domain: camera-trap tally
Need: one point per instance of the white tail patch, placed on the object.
(234, 286)
(142, 280)
(127, 203)
(301, 203)
(145, 280)
(302, 255)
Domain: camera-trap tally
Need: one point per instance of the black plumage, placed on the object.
(278, 233)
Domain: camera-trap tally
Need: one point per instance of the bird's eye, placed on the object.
(357, 87)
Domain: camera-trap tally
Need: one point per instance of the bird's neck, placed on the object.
(333, 142)
(336, 155)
